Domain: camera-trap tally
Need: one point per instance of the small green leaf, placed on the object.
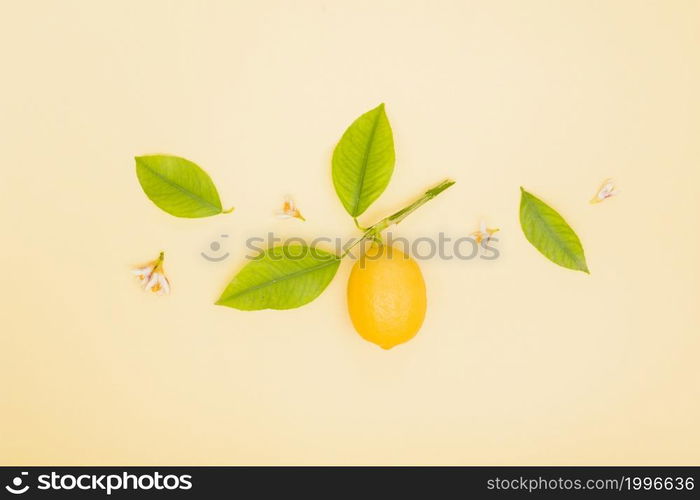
(282, 277)
(363, 161)
(550, 234)
(178, 186)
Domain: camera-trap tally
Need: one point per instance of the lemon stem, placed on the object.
(397, 217)
(374, 231)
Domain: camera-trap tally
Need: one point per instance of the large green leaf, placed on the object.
(283, 277)
(550, 234)
(363, 161)
(178, 186)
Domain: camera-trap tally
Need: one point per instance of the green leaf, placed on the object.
(178, 186)
(282, 277)
(363, 161)
(550, 234)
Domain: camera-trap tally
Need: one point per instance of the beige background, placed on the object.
(519, 361)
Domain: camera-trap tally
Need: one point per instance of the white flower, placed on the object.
(143, 273)
(289, 211)
(153, 276)
(158, 284)
(484, 234)
(606, 190)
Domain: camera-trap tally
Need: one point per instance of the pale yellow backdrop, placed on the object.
(519, 361)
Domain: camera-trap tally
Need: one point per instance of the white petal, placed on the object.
(164, 284)
(142, 271)
(152, 282)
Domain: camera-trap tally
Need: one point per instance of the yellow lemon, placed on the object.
(386, 296)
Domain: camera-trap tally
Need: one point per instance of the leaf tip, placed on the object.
(381, 109)
(228, 211)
